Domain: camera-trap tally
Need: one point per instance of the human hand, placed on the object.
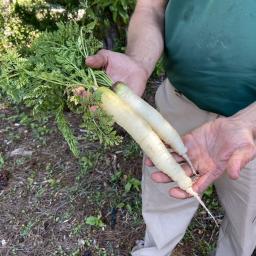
(225, 144)
(120, 67)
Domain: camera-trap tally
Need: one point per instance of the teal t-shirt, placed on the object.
(210, 49)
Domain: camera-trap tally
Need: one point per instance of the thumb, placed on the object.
(239, 159)
(99, 60)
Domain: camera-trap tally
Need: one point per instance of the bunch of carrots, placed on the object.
(142, 121)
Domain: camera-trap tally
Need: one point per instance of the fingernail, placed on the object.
(178, 194)
(147, 162)
(93, 108)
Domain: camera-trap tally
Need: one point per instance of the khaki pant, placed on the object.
(167, 218)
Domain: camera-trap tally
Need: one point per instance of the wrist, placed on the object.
(147, 65)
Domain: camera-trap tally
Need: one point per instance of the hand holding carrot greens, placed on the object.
(53, 66)
(120, 67)
(223, 145)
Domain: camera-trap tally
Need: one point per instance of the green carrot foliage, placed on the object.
(46, 77)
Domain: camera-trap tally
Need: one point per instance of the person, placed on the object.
(209, 97)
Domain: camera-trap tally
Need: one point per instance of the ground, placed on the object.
(54, 204)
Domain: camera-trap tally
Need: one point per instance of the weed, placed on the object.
(77, 229)
(20, 161)
(116, 177)
(131, 150)
(31, 179)
(95, 221)
(132, 183)
(25, 229)
(87, 163)
(1, 161)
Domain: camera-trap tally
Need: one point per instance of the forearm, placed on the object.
(145, 33)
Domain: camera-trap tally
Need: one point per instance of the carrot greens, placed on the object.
(45, 78)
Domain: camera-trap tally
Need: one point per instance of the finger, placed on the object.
(178, 193)
(93, 108)
(148, 162)
(199, 186)
(160, 177)
(239, 159)
(99, 60)
(203, 182)
(187, 169)
(178, 158)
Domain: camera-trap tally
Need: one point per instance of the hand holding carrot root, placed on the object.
(133, 121)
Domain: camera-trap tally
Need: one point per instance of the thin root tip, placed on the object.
(193, 193)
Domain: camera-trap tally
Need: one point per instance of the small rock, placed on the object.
(81, 242)
(4, 243)
(21, 152)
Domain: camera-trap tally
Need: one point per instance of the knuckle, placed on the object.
(103, 52)
(250, 150)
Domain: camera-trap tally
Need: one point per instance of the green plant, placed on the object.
(46, 78)
(87, 163)
(109, 13)
(209, 192)
(132, 183)
(1, 161)
(27, 18)
(26, 229)
(42, 15)
(14, 32)
(31, 179)
(159, 68)
(116, 177)
(95, 221)
(131, 149)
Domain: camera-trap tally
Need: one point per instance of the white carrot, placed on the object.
(148, 140)
(158, 123)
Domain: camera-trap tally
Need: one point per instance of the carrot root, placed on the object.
(194, 194)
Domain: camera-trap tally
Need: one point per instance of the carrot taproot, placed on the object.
(159, 124)
(148, 140)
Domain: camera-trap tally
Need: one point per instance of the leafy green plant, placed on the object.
(14, 32)
(26, 229)
(46, 79)
(131, 149)
(209, 192)
(42, 15)
(107, 14)
(132, 183)
(1, 161)
(95, 221)
(87, 163)
(116, 177)
(159, 68)
(31, 16)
